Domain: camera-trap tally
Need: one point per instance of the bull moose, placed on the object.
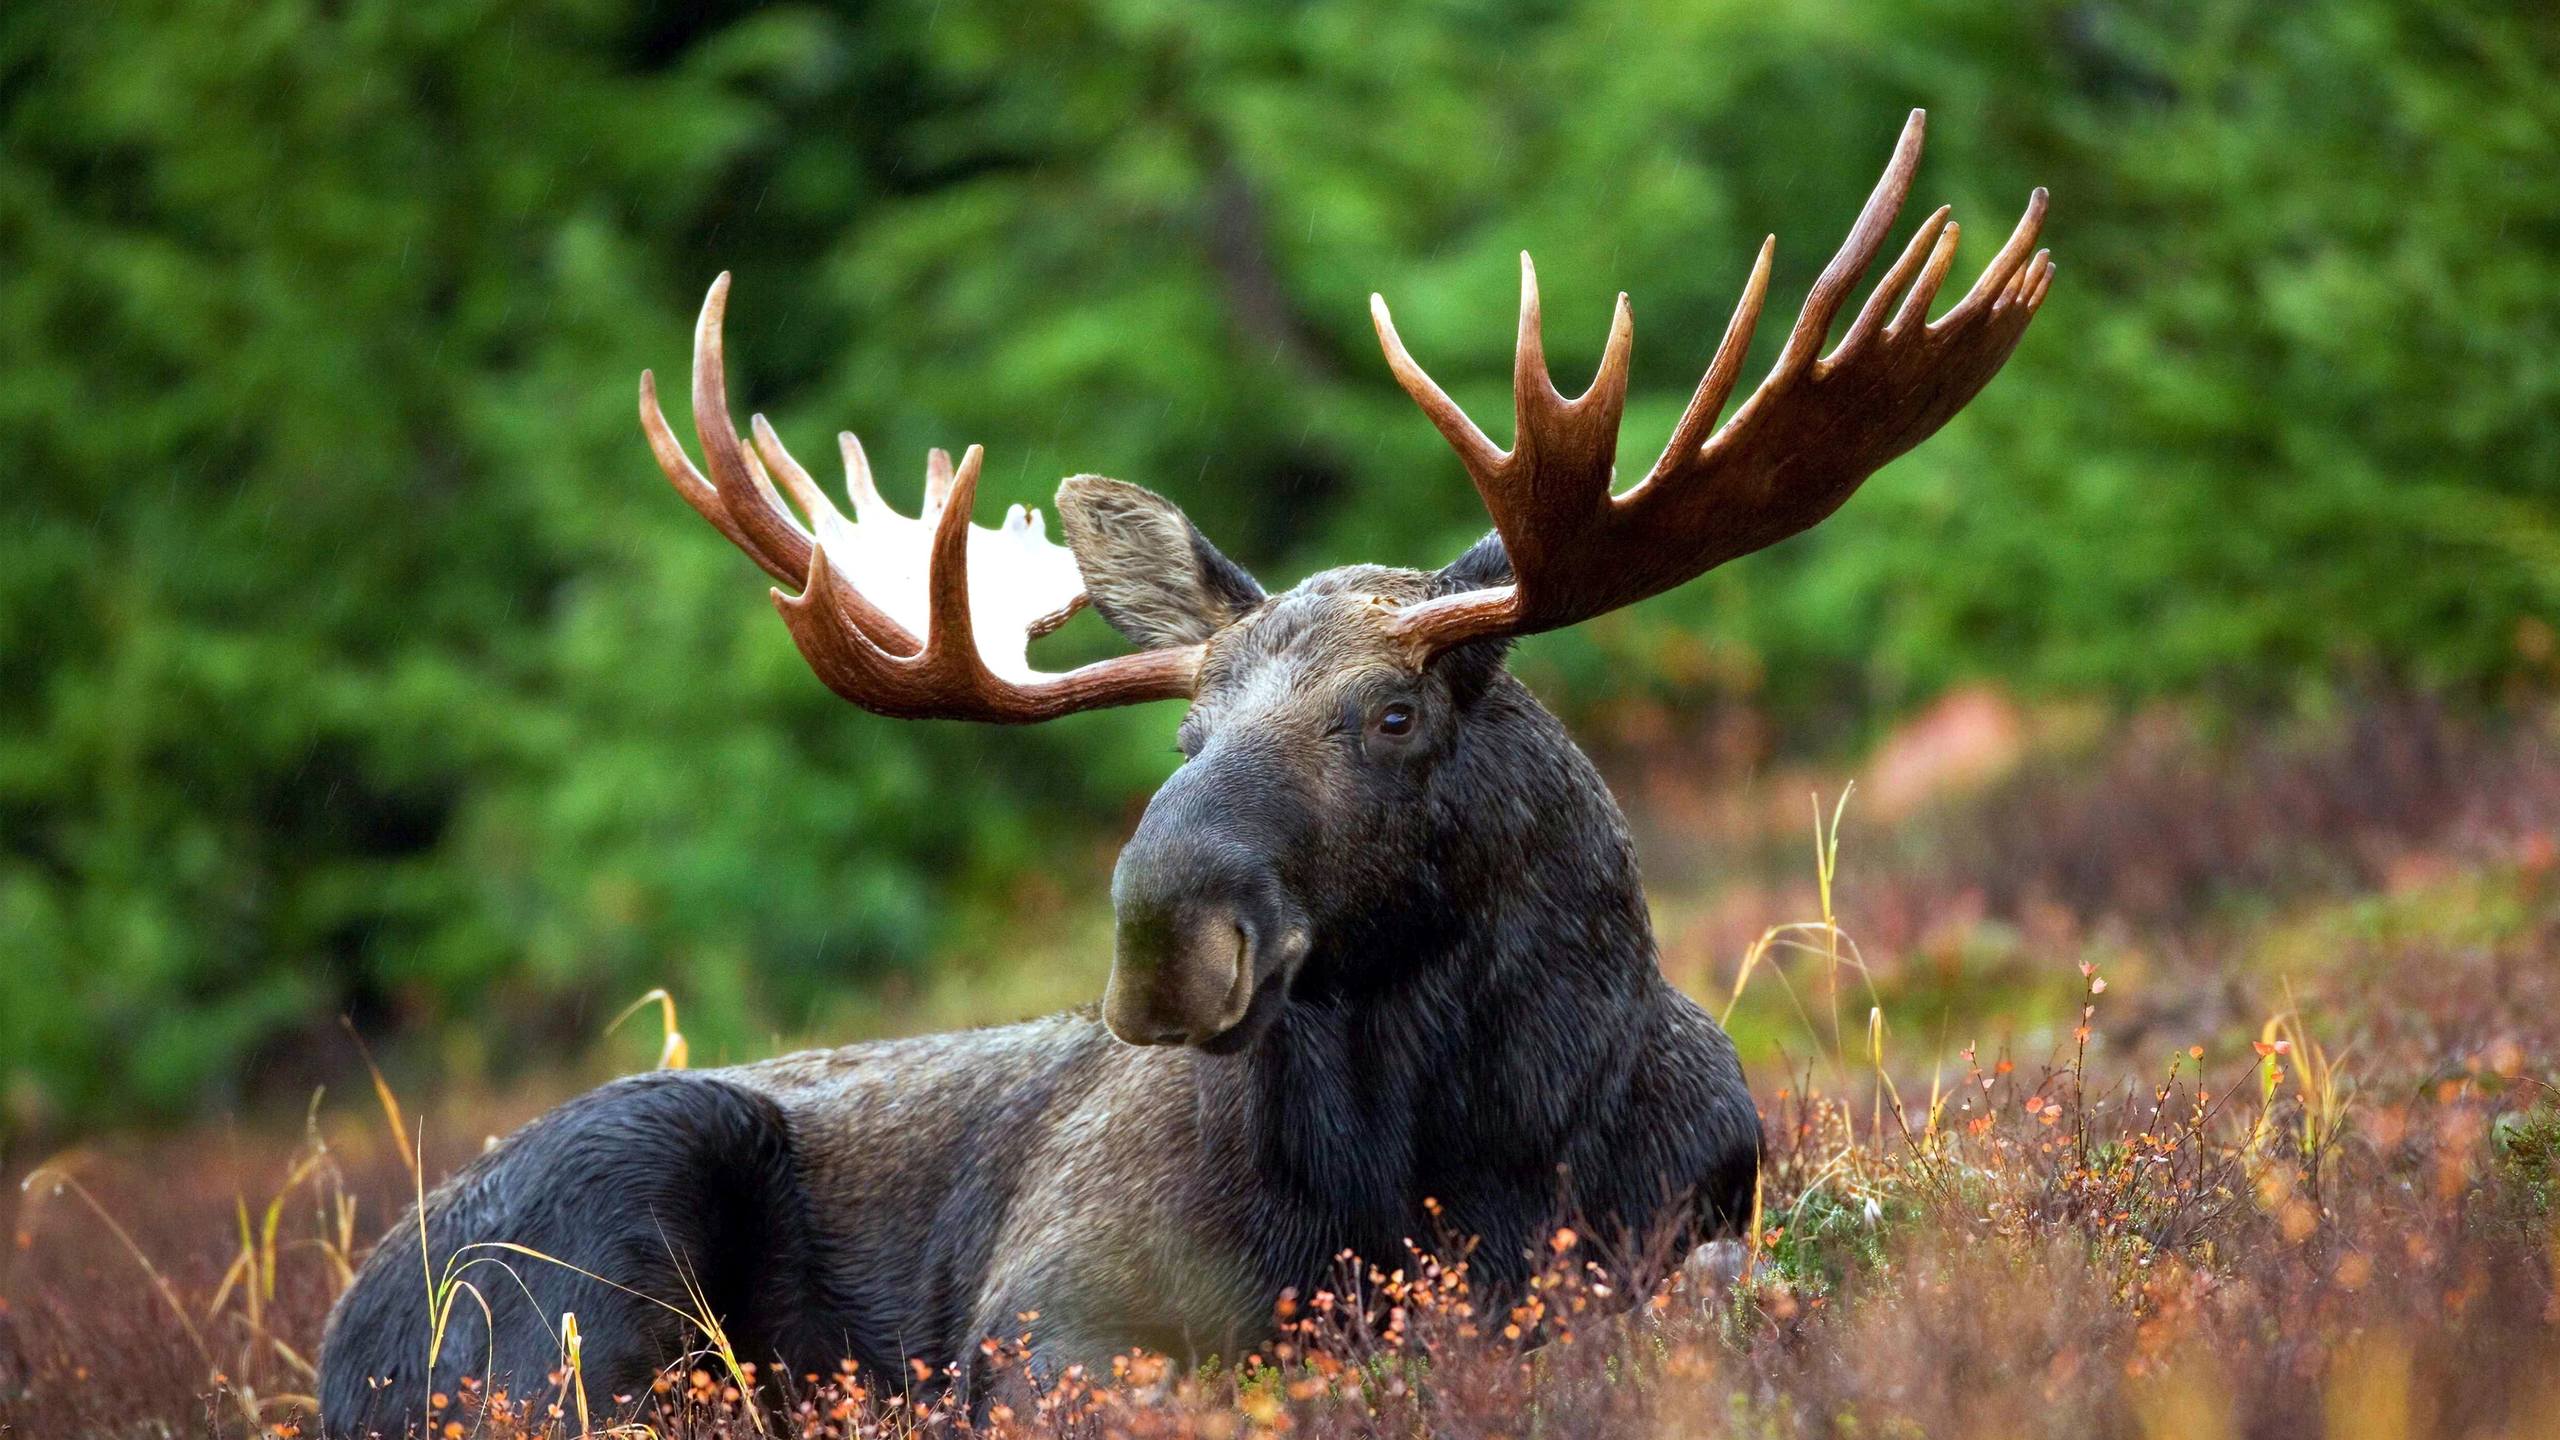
(1382, 963)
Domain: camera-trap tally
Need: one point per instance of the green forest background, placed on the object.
(354, 659)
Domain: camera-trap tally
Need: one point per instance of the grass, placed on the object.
(2268, 1146)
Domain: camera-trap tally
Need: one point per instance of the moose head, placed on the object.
(1339, 733)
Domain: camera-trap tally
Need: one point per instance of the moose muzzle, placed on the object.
(1207, 939)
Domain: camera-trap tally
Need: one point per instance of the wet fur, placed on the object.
(1481, 1020)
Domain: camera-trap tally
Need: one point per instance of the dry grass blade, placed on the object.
(673, 1052)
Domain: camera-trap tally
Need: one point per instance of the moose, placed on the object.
(1382, 964)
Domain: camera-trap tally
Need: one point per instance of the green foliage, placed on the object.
(1826, 1235)
(354, 660)
(2527, 1146)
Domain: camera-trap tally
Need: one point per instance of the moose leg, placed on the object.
(632, 1207)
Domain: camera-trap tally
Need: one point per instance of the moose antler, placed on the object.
(1798, 447)
(971, 664)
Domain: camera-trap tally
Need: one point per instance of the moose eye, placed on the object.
(1396, 720)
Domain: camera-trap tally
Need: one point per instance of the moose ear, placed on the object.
(1150, 573)
(1485, 565)
(1472, 666)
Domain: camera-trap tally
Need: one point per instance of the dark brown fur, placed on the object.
(1369, 968)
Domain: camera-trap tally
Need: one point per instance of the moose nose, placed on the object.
(1204, 924)
(1183, 972)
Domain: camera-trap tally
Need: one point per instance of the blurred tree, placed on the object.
(353, 660)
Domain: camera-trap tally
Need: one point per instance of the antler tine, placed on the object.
(794, 477)
(1617, 359)
(781, 546)
(1942, 258)
(859, 486)
(765, 490)
(1479, 454)
(2030, 282)
(1531, 385)
(1699, 420)
(1856, 253)
(950, 630)
(1871, 315)
(1996, 275)
(688, 482)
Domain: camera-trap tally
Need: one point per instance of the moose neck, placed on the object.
(1465, 1041)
